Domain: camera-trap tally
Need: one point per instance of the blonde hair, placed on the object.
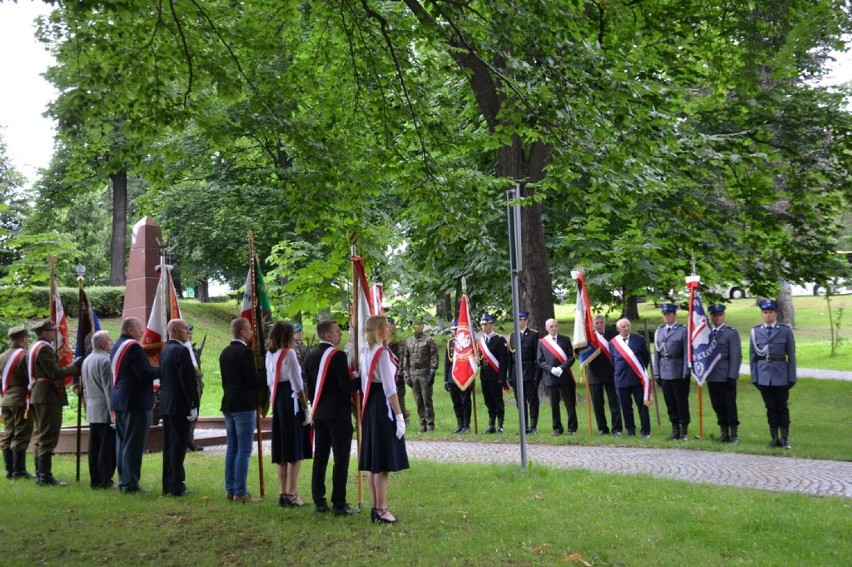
(374, 329)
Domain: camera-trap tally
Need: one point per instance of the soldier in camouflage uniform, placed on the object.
(300, 347)
(18, 429)
(419, 364)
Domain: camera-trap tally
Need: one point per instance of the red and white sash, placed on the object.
(325, 363)
(278, 359)
(367, 379)
(628, 355)
(554, 349)
(10, 367)
(119, 358)
(31, 358)
(487, 355)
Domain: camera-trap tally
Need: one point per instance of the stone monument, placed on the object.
(142, 278)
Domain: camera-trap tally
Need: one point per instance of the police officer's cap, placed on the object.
(668, 308)
(769, 305)
(486, 318)
(17, 332)
(297, 327)
(523, 315)
(44, 326)
(454, 324)
(717, 308)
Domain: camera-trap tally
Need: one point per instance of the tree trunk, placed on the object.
(118, 250)
(444, 307)
(202, 291)
(631, 308)
(786, 312)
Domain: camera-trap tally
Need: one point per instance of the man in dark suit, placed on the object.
(772, 358)
(555, 357)
(722, 379)
(330, 386)
(530, 370)
(132, 400)
(601, 376)
(630, 358)
(178, 406)
(671, 370)
(494, 362)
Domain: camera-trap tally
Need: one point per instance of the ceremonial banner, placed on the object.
(377, 294)
(57, 315)
(258, 310)
(464, 352)
(701, 350)
(165, 309)
(87, 325)
(367, 305)
(588, 342)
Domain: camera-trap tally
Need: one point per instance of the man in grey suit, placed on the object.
(772, 360)
(97, 387)
(722, 380)
(671, 370)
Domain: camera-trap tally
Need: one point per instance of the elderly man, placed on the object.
(132, 400)
(47, 397)
(671, 370)
(630, 359)
(555, 357)
(97, 389)
(772, 360)
(18, 430)
(178, 406)
(722, 379)
(601, 376)
(419, 364)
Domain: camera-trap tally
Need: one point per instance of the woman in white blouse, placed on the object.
(290, 439)
(383, 425)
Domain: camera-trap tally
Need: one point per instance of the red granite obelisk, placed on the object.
(142, 279)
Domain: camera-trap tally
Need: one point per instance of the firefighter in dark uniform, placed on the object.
(722, 379)
(47, 398)
(773, 370)
(18, 429)
(531, 371)
(461, 398)
(494, 365)
(671, 370)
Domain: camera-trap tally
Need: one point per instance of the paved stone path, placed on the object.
(810, 373)
(776, 473)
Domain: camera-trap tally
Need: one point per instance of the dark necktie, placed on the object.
(769, 331)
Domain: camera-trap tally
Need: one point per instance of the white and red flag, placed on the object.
(164, 309)
(464, 352)
(587, 340)
(57, 315)
(366, 298)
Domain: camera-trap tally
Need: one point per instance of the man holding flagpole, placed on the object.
(630, 358)
(555, 357)
(601, 376)
(461, 398)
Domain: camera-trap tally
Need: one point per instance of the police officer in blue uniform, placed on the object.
(671, 370)
(772, 357)
(722, 379)
(531, 371)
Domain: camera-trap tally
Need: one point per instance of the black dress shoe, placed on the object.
(572, 433)
(322, 508)
(491, 429)
(193, 448)
(556, 432)
(133, 490)
(347, 510)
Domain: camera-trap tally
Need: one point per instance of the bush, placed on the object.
(107, 301)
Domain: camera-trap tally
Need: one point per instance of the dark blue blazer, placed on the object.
(134, 390)
(178, 391)
(624, 375)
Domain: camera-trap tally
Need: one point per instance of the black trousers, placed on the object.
(175, 438)
(775, 399)
(101, 455)
(492, 393)
(531, 401)
(626, 397)
(723, 398)
(331, 436)
(676, 394)
(597, 392)
(461, 403)
(567, 393)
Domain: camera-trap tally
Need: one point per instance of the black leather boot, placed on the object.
(774, 443)
(45, 476)
(785, 431)
(734, 438)
(19, 464)
(7, 460)
(675, 432)
(726, 437)
(684, 431)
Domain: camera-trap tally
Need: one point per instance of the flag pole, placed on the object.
(473, 382)
(652, 385)
(353, 334)
(80, 282)
(256, 350)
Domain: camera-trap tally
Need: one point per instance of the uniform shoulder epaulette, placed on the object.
(783, 325)
(758, 326)
(731, 328)
(534, 330)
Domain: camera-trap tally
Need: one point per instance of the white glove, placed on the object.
(157, 384)
(400, 426)
(193, 415)
(556, 371)
(356, 374)
(307, 421)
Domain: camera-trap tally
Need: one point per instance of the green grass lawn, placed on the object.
(451, 514)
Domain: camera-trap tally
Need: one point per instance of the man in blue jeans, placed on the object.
(240, 386)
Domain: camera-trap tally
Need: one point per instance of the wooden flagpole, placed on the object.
(256, 350)
(354, 331)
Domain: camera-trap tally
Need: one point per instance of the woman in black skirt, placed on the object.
(290, 442)
(383, 425)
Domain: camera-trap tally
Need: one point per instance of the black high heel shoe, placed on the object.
(380, 517)
(374, 516)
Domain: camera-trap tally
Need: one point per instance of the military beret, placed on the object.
(769, 305)
(486, 318)
(668, 308)
(46, 325)
(523, 315)
(297, 327)
(17, 332)
(717, 308)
